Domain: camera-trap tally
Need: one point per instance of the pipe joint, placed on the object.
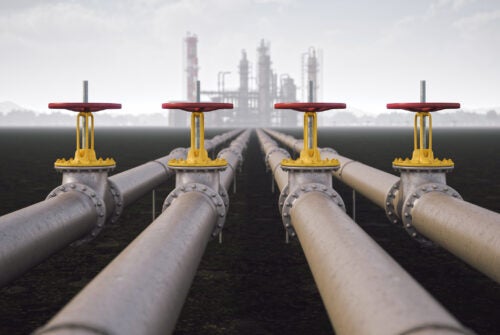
(99, 205)
(273, 150)
(204, 180)
(328, 150)
(404, 194)
(391, 201)
(235, 152)
(219, 199)
(411, 200)
(287, 204)
(302, 181)
(118, 200)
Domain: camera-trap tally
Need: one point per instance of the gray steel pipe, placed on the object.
(142, 291)
(233, 156)
(470, 232)
(136, 182)
(31, 234)
(364, 290)
(274, 158)
(370, 182)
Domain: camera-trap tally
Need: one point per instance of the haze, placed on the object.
(131, 51)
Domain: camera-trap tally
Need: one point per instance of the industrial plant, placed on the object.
(258, 90)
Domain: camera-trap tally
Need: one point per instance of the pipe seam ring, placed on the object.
(344, 165)
(438, 326)
(220, 200)
(275, 168)
(182, 151)
(118, 199)
(328, 149)
(390, 210)
(301, 190)
(411, 201)
(167, 170)
(69, 326)
(273, 150)
(233, 151)
(282, 198)
(99, 205)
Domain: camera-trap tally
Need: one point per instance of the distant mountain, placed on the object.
(8, 106)
(13, 115)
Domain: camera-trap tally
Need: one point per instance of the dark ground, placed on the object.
(253, 283)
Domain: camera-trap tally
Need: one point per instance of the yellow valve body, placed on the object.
(310, 155)
(422, 157)
(197, 155)
(85, 155)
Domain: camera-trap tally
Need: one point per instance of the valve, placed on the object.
(422, 173)
(85, 173)
(85, 155)
(309, 155)
(423, 156)
(199, 173)
(308, 173)
(197, 155)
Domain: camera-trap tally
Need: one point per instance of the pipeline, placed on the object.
(143, 289)
(468, 231)
(134, 183)
(30, 235)
(364, 290)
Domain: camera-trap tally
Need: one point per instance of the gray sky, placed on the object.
(131, 51)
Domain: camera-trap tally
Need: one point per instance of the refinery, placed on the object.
(246, 224)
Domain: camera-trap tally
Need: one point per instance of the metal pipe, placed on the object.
(233, 157)
(370, 182)
(456, 225)
(364, 290)
(468, 231)
(31, 234)
(136, 182)
(142, 291)
(274, 158)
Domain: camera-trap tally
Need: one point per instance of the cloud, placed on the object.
(438, 5)
(478, 20)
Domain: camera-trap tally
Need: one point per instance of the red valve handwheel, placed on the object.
(310, 106)
(84, 106)
(197, 106)
(424, 106)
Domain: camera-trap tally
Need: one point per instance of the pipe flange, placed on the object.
(343, 166)
(273, 150)
(412, 199)
(99, 205)
(303, 189)
(219, 203)
(330, 150)
(225, 197)
(118, 199)
(235, 152)
(282, 198)
(390, 210)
